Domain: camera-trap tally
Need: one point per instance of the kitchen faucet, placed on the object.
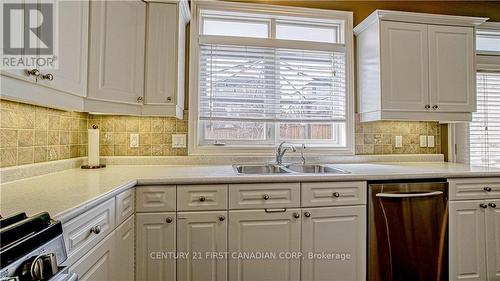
(280, 151)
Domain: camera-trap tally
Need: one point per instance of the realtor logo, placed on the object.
(28, 35)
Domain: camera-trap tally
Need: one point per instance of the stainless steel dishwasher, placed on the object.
(408, 231)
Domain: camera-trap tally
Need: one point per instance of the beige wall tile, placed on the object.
(8, 157)
(8, 118)
(8, 138)
(25, 155)
(53, 152)
(40, 154)
(53, 137)
(41, 138)
(54, 122)
(25, 138)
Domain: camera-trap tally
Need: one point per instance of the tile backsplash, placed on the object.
(33, 134)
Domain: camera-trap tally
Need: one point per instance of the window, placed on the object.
(484, 130)
(267, 74)
(488, 41)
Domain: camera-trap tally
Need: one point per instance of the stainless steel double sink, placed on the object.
(287, 169)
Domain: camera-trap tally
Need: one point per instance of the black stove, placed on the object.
(32, 248)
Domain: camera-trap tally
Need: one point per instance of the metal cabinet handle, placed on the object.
(307, 214)
(427, 106)
(492, 205)
(169, 220)
(296, 215)
(96, 229)
(487, 189)
(265, 197)
(435, 107)
(139, 99)
(222, 218)
(169, 99)
(336, 194)
(47, 76)
(34, 72)
(482, 205)
(202, 198)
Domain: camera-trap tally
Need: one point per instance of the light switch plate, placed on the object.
(399, 141)
(423, 141)
(178, 140)
(430, 141)
(134, 140)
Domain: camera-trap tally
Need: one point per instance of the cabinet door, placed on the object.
(339, 230)
(451, 68)
(467, 241)
(161, 70)
(71, 73)
(493, 239)
(123, 264)
(155, 246)
(116, 57)
(202, 235)
(258, 232)
(405, 66)
(98, 263)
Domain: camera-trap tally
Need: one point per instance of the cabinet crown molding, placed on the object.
(438, 19)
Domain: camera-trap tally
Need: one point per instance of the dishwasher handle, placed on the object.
(409, 195)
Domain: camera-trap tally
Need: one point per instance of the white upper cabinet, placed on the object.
(452, 72)
(415, 66)
(404, 47)
(164, 88)
(116, 56)
(71, 73)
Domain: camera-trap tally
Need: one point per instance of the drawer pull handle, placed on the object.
(33, 72)
(222, 218)
(296, 215)
(336, 194)
(96, 229)
(169, 220)
(202, 198)
(265, 197)
(307, 214)
(275, 210)
(482, 205)
(487, 189)
(492, 205)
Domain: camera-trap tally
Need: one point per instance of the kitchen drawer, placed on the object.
(316, 194)
(266, 195)
(202, 197)
(158, 198)
(125, 205)
(474, 188)
(83, 232)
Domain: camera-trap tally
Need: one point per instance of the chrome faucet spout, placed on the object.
(281, 150)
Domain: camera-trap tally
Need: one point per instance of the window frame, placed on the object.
(197, 147)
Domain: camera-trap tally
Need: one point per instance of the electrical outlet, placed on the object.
(399, 141)
(423, 141)
(430, 141)
(134, 140)
(178, 140)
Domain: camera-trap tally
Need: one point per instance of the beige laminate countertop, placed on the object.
(70, 192)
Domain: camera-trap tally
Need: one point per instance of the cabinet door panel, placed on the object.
(73, 24)
(493, 239)
(116, 63)
(405, 66)
(161, 72)
(155, 237)
(467, 241)
(202, 233)
(339, 230)
(257, 232)
(451, 68)
(97, 264)
(123, 264)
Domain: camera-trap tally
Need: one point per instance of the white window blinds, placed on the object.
(271, 84)
(484, 130)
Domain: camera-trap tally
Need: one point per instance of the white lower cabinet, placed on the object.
(467, 240)
(493, 239)
(202, 235)
(255, 235)
(155, 246)
(97, 264)
(339, 231)
(123, 263)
